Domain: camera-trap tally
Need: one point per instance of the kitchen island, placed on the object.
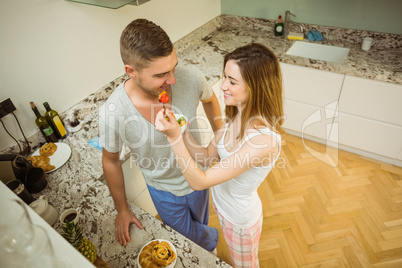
(78, 184)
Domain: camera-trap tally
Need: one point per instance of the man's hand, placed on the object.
(122, 225)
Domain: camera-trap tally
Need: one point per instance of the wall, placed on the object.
(61, 52)
(372, 15)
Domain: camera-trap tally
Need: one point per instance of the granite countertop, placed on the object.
(207, 46)
(78, 183)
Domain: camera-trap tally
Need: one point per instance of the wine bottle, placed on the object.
(54, 120)
(43, 125)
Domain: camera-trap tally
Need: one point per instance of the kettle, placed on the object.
(13, 166)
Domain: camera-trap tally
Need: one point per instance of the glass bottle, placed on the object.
(43, 125)
(53, 118)
(279, 26)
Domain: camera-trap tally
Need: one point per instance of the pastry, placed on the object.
(163, 254)
(42, 162)
(48, 149)
(145, 258)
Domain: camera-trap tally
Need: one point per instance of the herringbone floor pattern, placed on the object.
(317, 215)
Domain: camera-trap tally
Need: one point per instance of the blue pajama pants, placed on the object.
(187, 214)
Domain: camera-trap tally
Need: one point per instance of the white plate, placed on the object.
(60, 157)
(159, 240)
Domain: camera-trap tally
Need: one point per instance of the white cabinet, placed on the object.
(136, 188)
(311, 98)
(368, 135)
(372, 99)
(399, 158)
(370, 117)
(358, 115)
(311, 86)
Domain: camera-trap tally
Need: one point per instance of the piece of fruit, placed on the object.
(181, 121)
(73, 234)
(163, 98)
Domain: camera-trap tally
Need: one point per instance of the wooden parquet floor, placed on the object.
(317, 215)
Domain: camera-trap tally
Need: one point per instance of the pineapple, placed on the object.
(73, 234)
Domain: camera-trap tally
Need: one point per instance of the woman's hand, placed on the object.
(168, 125)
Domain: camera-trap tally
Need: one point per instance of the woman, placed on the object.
(245, 149)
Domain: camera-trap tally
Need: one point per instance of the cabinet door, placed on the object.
(372, 99)
(144, 201)
(399, 158)
(311, 86)
(133, 180)
(308, 119)
(311, 97)
(136, 188)
(368, 135)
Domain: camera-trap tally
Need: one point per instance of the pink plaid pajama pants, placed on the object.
(243, 243)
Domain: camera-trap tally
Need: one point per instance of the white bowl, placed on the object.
(159, 240)
(178, 116)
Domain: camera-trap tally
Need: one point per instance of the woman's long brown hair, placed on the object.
(260, 69)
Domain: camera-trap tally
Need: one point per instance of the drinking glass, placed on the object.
(16, 232)
(41, 254)
(23, 244)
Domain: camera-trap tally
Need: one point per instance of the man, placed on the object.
(128, 116)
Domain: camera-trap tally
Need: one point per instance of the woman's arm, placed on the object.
(203, 156)
(258, 151)
(213, 112)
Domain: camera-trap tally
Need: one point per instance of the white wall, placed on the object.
(61, 52)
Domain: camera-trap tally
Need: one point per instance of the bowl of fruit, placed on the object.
(182, 121)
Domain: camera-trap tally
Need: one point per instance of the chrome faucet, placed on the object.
(287, 22)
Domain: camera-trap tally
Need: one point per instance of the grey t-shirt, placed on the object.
(120, 122)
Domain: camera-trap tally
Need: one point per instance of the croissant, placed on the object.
(41, 162)
(145, 258)
(48, 149)
(163, 254)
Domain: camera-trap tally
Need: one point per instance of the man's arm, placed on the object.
(213, 112)
(115, 181)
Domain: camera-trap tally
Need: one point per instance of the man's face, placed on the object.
(159, 75)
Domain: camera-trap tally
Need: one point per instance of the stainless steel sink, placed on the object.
(318, 51)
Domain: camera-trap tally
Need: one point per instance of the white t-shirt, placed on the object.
(237, 199)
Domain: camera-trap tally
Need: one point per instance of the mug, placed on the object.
(35, 180)
(366, 45)
(19, 189)
(71, 215)
(45, 210)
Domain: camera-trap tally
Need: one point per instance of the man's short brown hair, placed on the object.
(143, 41)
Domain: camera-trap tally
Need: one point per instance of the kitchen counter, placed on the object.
(79, 182)
(206, 47)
